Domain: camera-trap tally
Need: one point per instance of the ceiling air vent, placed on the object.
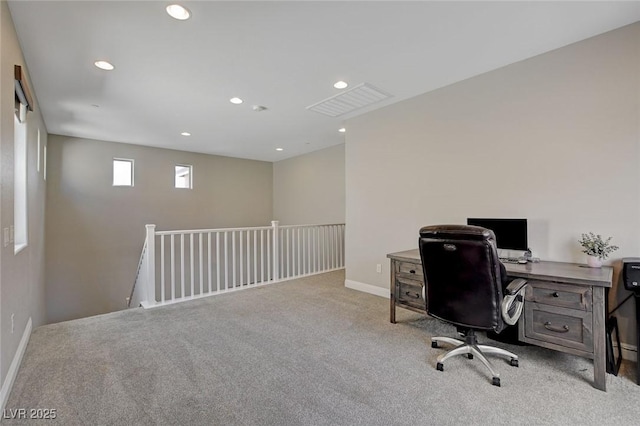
(360, 96)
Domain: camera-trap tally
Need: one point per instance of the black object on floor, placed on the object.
(508, 335)
(613, 363)
(637, 297)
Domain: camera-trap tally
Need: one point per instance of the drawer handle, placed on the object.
(417, 296)
(413, 271)
(555, 294)
(548, 326)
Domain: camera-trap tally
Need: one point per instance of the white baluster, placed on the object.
(182, 265)
(269, 261)
(334, 250)
(248, 258)
(191, 262)
(151, 264)
(209, 260)
(255, 256)
(293, 252)
(200, 262)
(339, 230)
(319, 254)
(233, 257)
(304, 251)
(289, 252)
(262, 248)
(162, 268)
(242, 257)
(173, 267)
(329, 242)
(276, 260)
(218, 270)
(226, 261)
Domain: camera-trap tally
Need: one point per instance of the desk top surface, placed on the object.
(573, 273)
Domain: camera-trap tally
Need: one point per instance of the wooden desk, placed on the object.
(564, 305)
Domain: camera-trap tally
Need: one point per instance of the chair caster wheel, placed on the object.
(514, 362)
(434, 344)
(470, 356)
(440, 366)
(496, 381)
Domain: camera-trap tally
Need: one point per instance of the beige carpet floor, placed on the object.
(303, 352)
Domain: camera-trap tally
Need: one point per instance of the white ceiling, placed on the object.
(173, 76)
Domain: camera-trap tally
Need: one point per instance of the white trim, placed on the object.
(123, 160)
(629, 352)
(368, 288)
(15, 365)
(175, 176)
(17, 248)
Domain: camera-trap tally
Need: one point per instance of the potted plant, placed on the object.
(596, 248)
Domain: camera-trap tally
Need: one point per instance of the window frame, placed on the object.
(175, 176)
(113, 174)
(20, 226)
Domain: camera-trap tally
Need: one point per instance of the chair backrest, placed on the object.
(463, 275)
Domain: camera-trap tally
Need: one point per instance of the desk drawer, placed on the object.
(566, 327)
(412, 270)
(409, 292)
(562, 295)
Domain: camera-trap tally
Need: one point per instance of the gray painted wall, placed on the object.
(22, 274)
(555, 139)
(310, 188)
(95, 231)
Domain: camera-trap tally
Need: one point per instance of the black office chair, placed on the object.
(465, 281)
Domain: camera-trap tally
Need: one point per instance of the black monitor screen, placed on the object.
(511, 234)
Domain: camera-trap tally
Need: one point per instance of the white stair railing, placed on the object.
(138, 291)
(188, 264)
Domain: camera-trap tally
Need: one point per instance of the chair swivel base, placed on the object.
(471, 348)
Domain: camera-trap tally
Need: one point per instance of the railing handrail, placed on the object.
(204, 231)
(310, 225)
(246, 228)
(133, 289)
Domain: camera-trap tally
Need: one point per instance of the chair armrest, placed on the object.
(513, 301)
(515, 286)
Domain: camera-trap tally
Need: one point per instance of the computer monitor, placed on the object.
(511, 234)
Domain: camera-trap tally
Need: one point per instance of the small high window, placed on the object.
(122, 172)
(183, 176)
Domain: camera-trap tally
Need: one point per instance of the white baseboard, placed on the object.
(15, 365)
(367, 288)
(629, 352)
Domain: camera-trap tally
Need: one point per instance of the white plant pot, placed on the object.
(594, 262)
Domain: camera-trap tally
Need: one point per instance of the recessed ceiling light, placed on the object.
(341, 85)
(236, 101)
(279, 149)
(178, 12)
(185, 134)
(342, 130)
(104, 65)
